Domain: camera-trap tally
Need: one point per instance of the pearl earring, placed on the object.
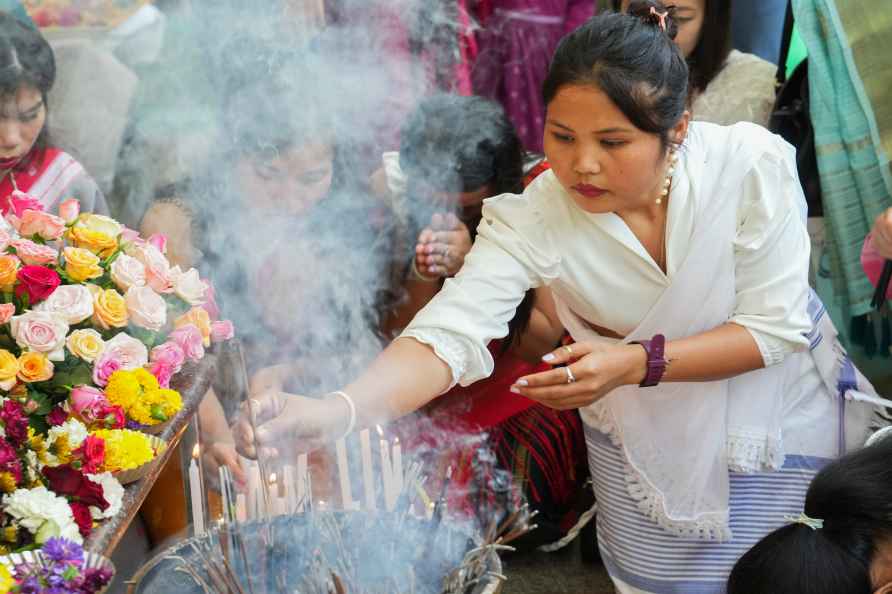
(667, 183)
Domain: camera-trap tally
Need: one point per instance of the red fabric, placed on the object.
(537, 170)
(27, 173)
(873, 264)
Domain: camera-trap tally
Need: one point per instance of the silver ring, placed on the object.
(570, 377)
(569, 350)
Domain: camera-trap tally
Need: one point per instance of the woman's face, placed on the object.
(689, 15)
(291, 182)
(603, 161)
(22, 117)
(881, 568)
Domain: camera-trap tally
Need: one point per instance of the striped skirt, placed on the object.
(642, 558)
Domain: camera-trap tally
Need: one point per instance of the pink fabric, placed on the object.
(872, 263)
(514, 54)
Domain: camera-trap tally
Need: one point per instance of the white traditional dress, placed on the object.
(688, 475)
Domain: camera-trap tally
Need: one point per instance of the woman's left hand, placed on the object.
(593, 370)
(442, 247)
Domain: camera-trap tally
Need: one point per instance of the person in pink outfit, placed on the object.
(515, 46)
(878, 248)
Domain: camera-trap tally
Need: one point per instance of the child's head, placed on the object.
(27, 73)
(458, 150)
(845, 549)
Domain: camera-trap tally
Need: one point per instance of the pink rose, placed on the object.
(129, 235)
(189, 338)
(170, 354)
(69, 210)
(6, 312)
(127, 272)
(159, 241)
(37, 222)
(222, 330)
(19, 202)
(40, 331)
(157, 267)
(146, 308)
(130, 352)
(162, 373)
(210, 302)
(74, 303)
(34, 254)
(88, 403)
(107, 363)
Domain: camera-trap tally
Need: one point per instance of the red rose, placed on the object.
(82, 518)
(72, 483)
(92, 452)
(38, 282)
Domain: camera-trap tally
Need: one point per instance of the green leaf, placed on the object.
(147, 337)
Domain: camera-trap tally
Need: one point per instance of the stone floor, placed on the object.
(562, 572)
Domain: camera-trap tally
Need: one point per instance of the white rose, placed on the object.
(100, 223)
(33, 508)
(157, 267)
(146, 308)
(188, 286)
(74, 303)
(112, 492)
(130, 352)
(86, 344)
(41, 331)
(127, 272)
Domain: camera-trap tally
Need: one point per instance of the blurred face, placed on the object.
(291, 182)
(22, 117)
(689, 15)
(468, 203)
(599, 156)
(881, 568)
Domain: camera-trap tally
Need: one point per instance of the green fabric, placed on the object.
(846, 47)
(15, 8)
(797, 53)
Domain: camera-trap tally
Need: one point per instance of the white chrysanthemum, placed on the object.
(33, 508)
(74, 429)
(113, 493)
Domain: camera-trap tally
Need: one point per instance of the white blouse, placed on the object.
(595, 264)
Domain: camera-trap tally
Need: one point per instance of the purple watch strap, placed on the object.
(656, 361)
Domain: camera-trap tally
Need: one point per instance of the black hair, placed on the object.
(632, 60)
(453, 143)
(712, 49)
(853, 498)
(26, 58)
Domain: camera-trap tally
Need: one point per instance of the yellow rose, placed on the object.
(100, 223)
(109, 309)
(9, 369)
(96, 241)
(81, 264)
(9, 268)
(35, 367)
(198, 317)
(86, 344)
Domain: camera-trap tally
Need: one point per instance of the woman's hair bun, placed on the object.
(656, 14)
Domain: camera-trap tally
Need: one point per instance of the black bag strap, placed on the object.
(786, 41)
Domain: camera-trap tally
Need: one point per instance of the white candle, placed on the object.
(386, 470)
(368, 478)
(273, 494)
(303, 485)
(254, 486)
(288, 483)
(344, 474)
(195, 493)
(397, 468)
(241, 508)
(224, 494)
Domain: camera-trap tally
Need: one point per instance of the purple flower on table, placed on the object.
(62, 551)
(95, 579)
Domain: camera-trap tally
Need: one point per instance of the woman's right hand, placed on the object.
(276, 424)
(442, 246)
(882, 234)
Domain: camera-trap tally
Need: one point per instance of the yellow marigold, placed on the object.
(9, 369)
(123, 389)
(199, 317)
(156, 407)
(124, 449)
(146, 380)
(109, 309)
(7, 482)
(9, 269)
(96, 241)
(6, 581)
(34, 367)
(81, 265)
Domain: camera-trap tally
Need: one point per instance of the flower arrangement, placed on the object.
(94, 323)
(60, 567)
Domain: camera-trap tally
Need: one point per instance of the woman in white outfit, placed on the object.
(709, 378)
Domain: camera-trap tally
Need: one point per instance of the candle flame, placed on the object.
(196, 451)
(380, 431)
(396, 441)
(272, 478)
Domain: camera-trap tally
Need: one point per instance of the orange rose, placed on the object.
(9, 268)
(109, 309)
(35, 367)
(198, 317)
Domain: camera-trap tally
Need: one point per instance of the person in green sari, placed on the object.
(15, 8)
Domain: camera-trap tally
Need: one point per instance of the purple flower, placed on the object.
(61, 550)
(96, 579)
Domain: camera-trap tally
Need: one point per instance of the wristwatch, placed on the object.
(656, 361)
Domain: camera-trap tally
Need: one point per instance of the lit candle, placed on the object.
(241, 508)
(397, 469)
(303, 484)
(288, 483)
(254, 497)
(195, 493)
(386, 470)
(344, 474)
(368, 479)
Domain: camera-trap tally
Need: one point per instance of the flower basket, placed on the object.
(91, 561)
(156, 429)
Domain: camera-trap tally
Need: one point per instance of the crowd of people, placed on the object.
(623, 323)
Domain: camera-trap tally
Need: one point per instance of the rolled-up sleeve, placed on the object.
(772, 257)
(511, 255)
